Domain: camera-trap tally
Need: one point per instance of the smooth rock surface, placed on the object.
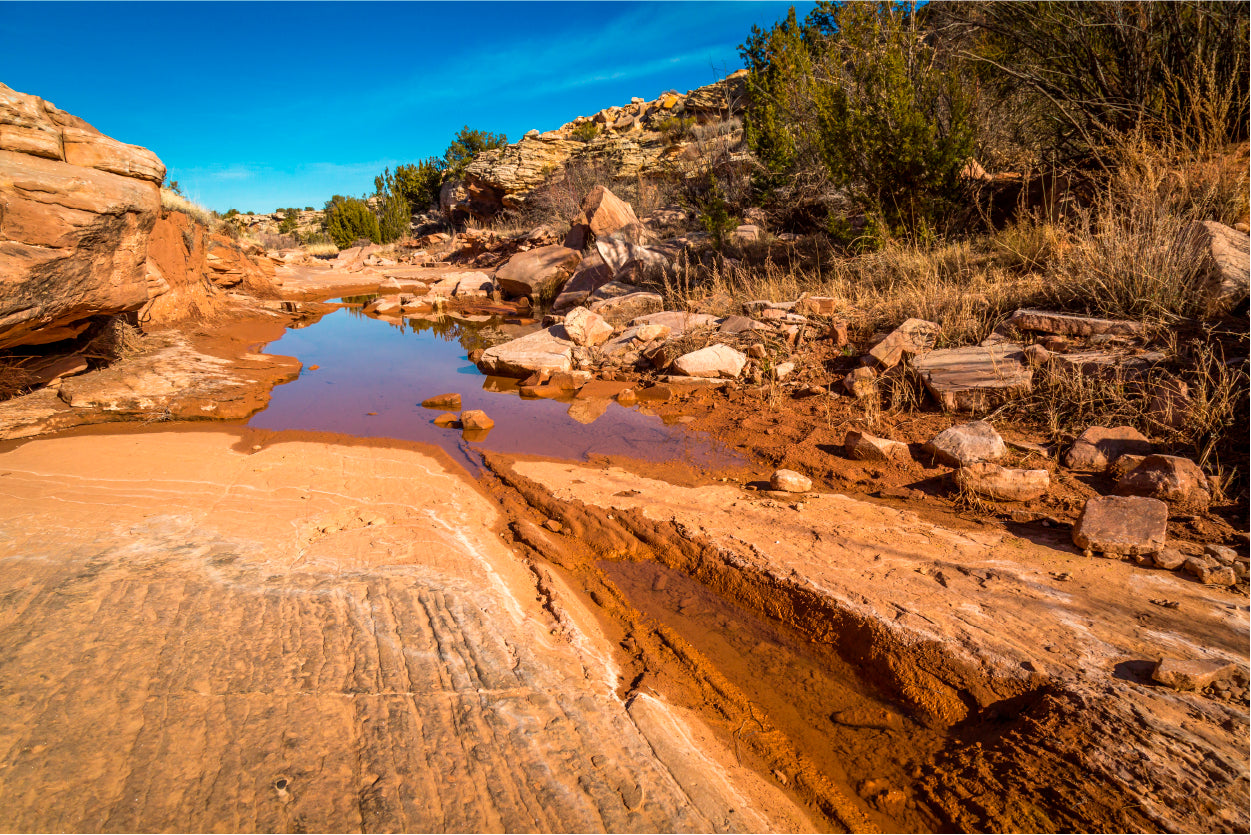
(1067, 324)
(586, 328)
(624, 309)
(861, 446)
(789, 481)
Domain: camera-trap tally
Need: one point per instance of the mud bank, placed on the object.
(901, 674)
(308, 636)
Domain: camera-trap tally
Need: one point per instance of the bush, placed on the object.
(586, 131)
(676, 128)
(348, 219)
(466, 145)
(393, 211)
(290, 222)
(419, 184)
(889, 122)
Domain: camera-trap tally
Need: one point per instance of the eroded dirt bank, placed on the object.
(900, 674)
(204, 630)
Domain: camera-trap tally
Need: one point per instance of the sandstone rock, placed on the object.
(1221, 553)
(1066, 324)
(747, 233)
(678, 322)
(1003, 483)
(1194, 674)
(861, 446)
(1124, 465)
(783, 370)
(586, 328)
(790, 481)
(537, 273)
(714, 361)
(591, 275)
(861, 382)
(1112, 364)
(602, 213)
(446, 420)
(475, 419)
(627, 308)
(1037, 355)
(1170, 478)
(1122, 525)
(1221, 575)
(539, 351)
(588, 411)
(1097, 447)
(967, 443)
(442, 401)
(1170, 559)
(570, 380)
(1224, 264)
(77, 210)
(738, 324)
(914, 336)
(974, 379)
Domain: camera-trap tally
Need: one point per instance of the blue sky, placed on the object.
(264, 105)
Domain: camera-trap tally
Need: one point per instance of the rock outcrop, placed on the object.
(638, 138)
(76, 211)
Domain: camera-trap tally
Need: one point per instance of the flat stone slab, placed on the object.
(1111, 363)
(977, 378)
(1068, 324)
(1190, 675)
(539, 351)
(1122, 525)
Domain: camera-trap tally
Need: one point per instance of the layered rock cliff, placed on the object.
(672, 133)
(76, 211)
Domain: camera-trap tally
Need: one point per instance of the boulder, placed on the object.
(967, 443)
(1067, 324)
(1098, 447)
(861, 446)
(602, 213)
(446, 420)
(1169, 478)
(76, 212)
(627, 308)
(714, 361)
(789, 481)
(475, 419)
(1003, 483)
(586, 328)
(1122, 525)
(624, 253)
(975, 379)
(747, 233)
(1193, 674)
(537, 273)
(1224, 264)
(539, 351)
(914, 336)
(1113, 364)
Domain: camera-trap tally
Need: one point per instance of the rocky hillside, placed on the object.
(674, 132)
(83, 235)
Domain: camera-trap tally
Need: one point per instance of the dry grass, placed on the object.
(321, 249)
(115, 340)
(172, 202)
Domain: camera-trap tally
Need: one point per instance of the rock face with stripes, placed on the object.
(199, 634)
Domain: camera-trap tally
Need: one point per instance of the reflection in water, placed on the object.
(388, 367)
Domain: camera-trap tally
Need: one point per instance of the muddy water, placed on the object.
(851, 734)
(373, 375)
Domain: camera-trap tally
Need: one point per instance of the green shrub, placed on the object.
(391, 207)
(466, 145)
(419, 184)
(676, 128)
(290, 222)
(586, 131)
(888, 122)
(348, 219)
